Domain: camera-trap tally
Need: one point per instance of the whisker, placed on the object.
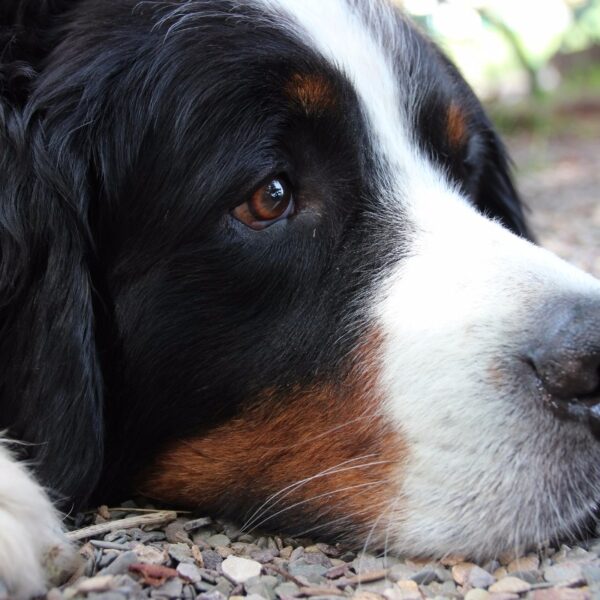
(367, 542)
(301, 482)
(311, 499)
(360, 418)
(298, 485)
(346, 517)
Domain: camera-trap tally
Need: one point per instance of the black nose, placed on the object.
(565, 356)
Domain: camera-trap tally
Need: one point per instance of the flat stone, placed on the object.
(366, 563)
(218, 540)
(400, 571)
(460, 572)
(287, 589)
(313, 573)
(262, 586)
(591, 573)
(112, 595)
(190, 572)
(531, 562)
(173, 588)
(176, 532)
(510, 585)
(563, 572)
(477, 594)
(180, 552)
(224, 586)
(149, 555)
(240, 569)
(407, 589)
(214, 595)
(561, 594)
(263, 556)
(426, 576)
(480, 578)
(211, 560)
(224, 551)
(528, 576)
(121, 564)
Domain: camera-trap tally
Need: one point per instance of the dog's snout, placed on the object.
(565, 355)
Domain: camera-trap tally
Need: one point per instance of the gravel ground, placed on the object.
(192, 556)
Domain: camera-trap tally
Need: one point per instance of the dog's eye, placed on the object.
(270, 203)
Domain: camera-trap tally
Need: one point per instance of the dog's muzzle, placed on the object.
(565, 359)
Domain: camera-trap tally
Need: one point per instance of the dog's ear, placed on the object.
(496, 194)
(50, 382)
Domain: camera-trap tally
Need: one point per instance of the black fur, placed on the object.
(134, 308)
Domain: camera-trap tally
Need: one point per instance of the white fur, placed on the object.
(30, 530)
(488, 467)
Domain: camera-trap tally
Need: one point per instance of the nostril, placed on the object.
(565, 373)
(564, 358)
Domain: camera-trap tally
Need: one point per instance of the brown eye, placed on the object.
(270, 203)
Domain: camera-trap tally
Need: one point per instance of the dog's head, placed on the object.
(270, 254)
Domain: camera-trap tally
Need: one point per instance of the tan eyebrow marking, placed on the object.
(312, 91)
(456, 125)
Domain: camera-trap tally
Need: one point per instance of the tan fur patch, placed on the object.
(329, 447)
(314, 92)
(456, 125)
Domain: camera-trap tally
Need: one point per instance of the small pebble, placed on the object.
(176, 532)
(460, 572)
(477, 594)
(172, 588)
(510, 585)
(211, 560)
(480, 578)
(407, 590)
(564, 572)
(531, 562)
(150, 555)
(218, 540)
(190, 572)
(426, 576)
(180, 552)
(240, 569)
(121, 564)
(287, 590)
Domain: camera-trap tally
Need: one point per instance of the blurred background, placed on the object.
(536, 65)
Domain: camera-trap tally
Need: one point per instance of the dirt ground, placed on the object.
(559, 178)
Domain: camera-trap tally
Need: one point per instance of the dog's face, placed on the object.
(308, 290)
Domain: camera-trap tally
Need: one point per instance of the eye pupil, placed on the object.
(270, 203)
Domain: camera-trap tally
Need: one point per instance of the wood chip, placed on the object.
(363, 578)
(320, 591)
(197, 556)
(155, 518)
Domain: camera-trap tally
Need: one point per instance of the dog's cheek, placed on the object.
(324, 459)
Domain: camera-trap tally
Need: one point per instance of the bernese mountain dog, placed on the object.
(264, 258)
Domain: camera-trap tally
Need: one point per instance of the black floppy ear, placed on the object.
(50, 383)
(496, 194)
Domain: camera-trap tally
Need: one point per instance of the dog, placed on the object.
(265, 258)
